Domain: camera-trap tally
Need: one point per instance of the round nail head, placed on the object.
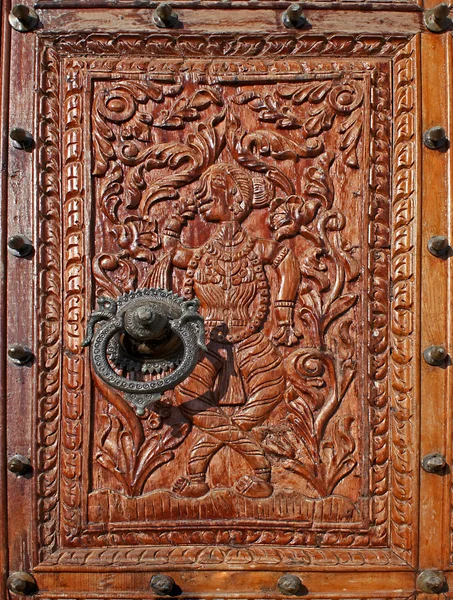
(289, 584)
(19, 465)
(22, 18)
(22, 583)
(162, 585)
(19, 354)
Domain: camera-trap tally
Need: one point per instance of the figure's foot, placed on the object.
(190, 487)
(253, 486)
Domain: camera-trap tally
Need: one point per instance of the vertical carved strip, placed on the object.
(379, 241)
(49, 299)
(403, 329)
(73, 361)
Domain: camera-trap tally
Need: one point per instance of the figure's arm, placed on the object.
(288, 277)
(171, 235)
(288, 280)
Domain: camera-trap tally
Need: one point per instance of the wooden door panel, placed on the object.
(294, 446)
(148, 123)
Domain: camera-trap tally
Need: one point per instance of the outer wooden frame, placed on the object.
(433, 381)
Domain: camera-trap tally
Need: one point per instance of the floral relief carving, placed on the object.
(132, 159)
(286, 160)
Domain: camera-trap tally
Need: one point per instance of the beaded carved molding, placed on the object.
(262, 186)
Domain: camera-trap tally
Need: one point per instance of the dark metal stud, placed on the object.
(22, 18)
(434, 462)
(164, 16)
(437, 19)
(431, 581)
(162, 585)
(438, 245)
(19, 465)
(293, 17)
(289, 585)
(19, 246)
(19, 354)
(435, 137)
(435, 355)
(22, 140)
(22, 583)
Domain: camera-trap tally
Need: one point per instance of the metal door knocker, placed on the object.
(151, 332)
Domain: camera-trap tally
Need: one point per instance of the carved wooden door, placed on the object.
(276, 177)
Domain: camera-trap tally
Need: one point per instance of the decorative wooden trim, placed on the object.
(49, 332)
(196, 45)
(404, 306)
(402, 367)
(74, 197)
(215, 557)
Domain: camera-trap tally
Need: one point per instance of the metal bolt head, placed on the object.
(435, 355)
(19, 354)
(293, 17)
(434, 462)
(21, 138)
(438, 245)
(22, 583)
(437, 18)
(23, 18)
(435, 137)
(164, 16)
(19, 245)
(19, 465)
(162, 585)
(289, 585)
(431, 581)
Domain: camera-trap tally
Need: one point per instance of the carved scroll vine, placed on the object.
(404, 304)
(129, 149)
(49, 332)
(308, 442)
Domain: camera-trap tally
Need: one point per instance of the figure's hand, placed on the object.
(286, 335)
(186, 208)
(183, 210)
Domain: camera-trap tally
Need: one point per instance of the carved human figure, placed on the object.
(240, 379)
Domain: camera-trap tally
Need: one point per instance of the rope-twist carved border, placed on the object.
(49, 298)
(403, 327)
(194, 45)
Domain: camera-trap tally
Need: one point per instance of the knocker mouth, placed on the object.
(146, 356)
(164, 348)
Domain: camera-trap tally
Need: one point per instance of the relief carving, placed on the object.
(235, 170)
(255, 198)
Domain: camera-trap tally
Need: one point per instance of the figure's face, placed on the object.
(216, 204)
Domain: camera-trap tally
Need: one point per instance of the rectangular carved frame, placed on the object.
(68, 64)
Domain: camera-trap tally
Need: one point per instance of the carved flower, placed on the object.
(288, 215)
(277, 443)
(138, 237)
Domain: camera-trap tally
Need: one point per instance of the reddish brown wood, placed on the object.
(276, 176)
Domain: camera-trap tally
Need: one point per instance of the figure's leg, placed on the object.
(195, 397)
(264, 379)
(196, 401)
(262, 370)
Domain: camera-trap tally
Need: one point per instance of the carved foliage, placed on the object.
(130, 154)
(326, 298)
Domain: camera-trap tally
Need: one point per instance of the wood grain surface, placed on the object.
(279, 177)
